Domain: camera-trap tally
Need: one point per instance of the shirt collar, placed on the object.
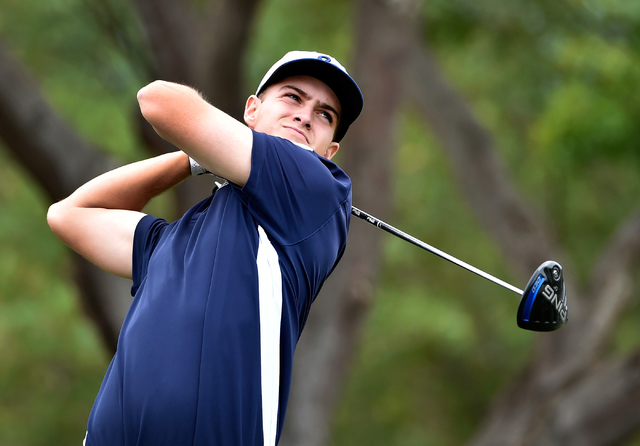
(303, 146)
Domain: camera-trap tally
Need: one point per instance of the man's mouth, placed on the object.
(299, 132)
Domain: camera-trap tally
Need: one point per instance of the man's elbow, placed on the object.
(148, 97)
(159, 95)
(56, 218)
(157, 103)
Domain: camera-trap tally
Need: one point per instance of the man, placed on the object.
(222, 294)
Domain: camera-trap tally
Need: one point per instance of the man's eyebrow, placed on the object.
(304, 95)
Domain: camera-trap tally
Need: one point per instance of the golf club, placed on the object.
(548, 313)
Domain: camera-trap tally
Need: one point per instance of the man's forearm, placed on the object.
(132, 186)
(99, 219)
(180, 115)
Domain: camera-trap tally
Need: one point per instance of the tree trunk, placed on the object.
(201, 44)
(331, 336)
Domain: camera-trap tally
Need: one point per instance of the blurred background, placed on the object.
(504, 132)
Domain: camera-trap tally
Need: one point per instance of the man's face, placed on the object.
(301, 109)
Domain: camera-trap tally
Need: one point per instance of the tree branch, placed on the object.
(170, 28)
(327, 346)
(201, 44)
(36, 135)
(601, 409)
(524, 239)
(60, 161)
(612, 283)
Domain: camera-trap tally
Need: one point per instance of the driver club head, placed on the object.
(543, 306)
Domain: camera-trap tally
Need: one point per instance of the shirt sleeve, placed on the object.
(147, 234)
(292, 191)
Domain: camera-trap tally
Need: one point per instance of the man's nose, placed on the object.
(304, 116)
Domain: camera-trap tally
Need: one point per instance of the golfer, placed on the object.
(221, 295)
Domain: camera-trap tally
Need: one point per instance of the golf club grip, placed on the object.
(404, 236)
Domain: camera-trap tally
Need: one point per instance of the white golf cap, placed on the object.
(328, 70)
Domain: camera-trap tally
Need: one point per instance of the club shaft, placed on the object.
(404, 236)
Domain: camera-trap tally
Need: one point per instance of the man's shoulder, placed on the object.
(301, 155)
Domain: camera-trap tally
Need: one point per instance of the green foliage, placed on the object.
(324, 26)
(553, 81)
(84, 72)
(52, 360)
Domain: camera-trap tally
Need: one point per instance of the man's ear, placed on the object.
(332, 150)
(251, 110)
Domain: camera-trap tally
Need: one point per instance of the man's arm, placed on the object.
(99, 219)
(180, 115)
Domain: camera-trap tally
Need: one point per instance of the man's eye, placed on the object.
(327, 116)
(293, 96)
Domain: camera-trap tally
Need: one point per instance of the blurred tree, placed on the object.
(560, 396)
(571, 390)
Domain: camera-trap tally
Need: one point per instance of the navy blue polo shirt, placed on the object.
(220, 299)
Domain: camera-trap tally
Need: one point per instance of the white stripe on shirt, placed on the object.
(270, 299)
